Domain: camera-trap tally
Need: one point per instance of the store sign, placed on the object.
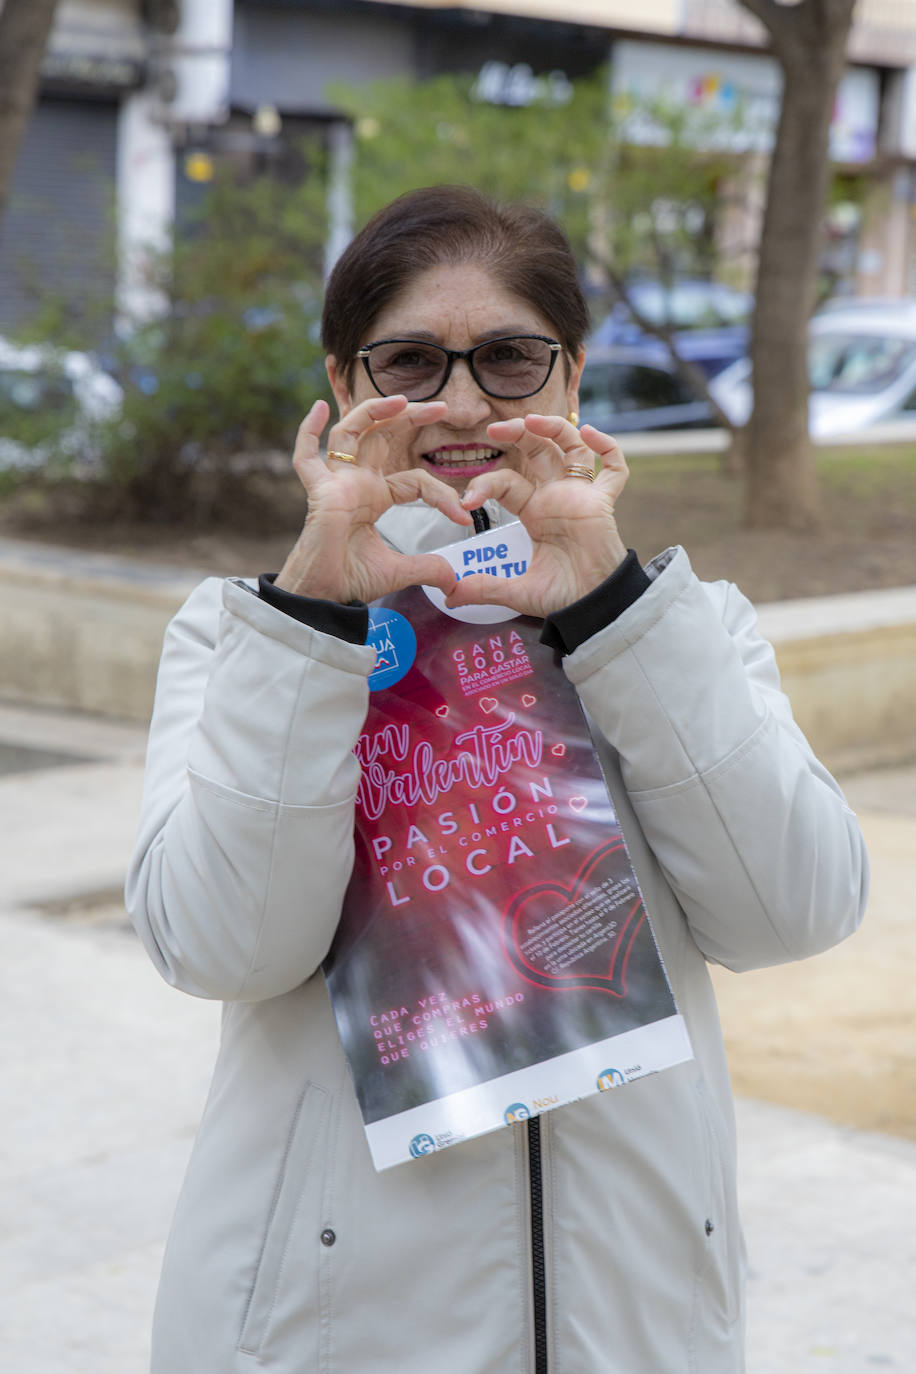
(88, 69)
(498, 83)
(735, 97)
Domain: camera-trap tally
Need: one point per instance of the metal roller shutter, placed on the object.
(57, 230)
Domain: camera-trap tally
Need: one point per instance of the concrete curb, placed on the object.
(83, 632)
(668, 443)
(848, 664)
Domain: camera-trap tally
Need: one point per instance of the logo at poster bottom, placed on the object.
(421, 1145)
(610, 1078)
(517, 1112)
(391, 636)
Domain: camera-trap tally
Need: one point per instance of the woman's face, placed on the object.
(458, 307)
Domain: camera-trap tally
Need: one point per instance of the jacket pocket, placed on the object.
(296, 1185)
(719, 1287)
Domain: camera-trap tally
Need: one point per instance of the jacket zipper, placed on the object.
(538, 1266)
(535, 1177)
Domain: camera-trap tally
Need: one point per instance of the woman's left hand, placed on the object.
(570, 520)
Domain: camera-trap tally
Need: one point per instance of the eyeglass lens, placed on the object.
(507, 368)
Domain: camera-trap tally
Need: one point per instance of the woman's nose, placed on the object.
(467, 404)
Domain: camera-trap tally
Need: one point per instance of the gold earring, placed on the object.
(574, 417)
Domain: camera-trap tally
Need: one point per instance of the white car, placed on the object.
(55, 394)
(862, 366)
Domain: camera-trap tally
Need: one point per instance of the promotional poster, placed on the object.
(494, 958)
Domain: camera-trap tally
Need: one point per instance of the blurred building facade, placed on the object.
(140, 99)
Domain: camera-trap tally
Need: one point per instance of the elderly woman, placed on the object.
(604, 1236)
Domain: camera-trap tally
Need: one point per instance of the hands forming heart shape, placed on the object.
(340, 556)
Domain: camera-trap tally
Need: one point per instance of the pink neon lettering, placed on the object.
(488, 753)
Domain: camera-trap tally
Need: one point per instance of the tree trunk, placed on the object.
(24, 29)
(781, 477)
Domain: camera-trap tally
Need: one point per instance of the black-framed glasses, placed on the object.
(509, 369)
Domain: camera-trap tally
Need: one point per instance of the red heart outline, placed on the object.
(488, 705)
(614, 982)
(442, 711)
(528, 699)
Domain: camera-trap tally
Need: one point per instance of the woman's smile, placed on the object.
(462, 460)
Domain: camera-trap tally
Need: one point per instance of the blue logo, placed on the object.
(422, 1145)
(517, 1112)
(610, 1078)
(395, 645)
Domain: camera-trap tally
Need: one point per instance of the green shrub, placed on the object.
(225, 373)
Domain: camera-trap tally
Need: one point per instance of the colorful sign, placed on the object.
(732, 98)
(494, 955)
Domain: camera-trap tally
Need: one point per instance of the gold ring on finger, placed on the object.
(580, 470)
(341, 457)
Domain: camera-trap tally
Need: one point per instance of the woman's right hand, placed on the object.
(339, 556)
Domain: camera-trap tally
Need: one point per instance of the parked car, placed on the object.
(625, 389)
(709, 320)
(862, 367)
(49, 399)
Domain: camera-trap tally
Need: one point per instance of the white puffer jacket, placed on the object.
(288, 1253)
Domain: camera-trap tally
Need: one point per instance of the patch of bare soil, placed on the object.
(866, 538)
(836, 1035)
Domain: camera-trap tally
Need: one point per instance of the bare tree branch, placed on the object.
(780, 21)
(694, 376)
(767, 11)
(819, 17)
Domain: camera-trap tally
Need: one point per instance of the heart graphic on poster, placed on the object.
(442, 711)
(488, 705)
(528, 699)
(553, 946)
(558, 750)
(578, 803)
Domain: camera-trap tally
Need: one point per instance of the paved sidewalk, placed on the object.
(105, 1071)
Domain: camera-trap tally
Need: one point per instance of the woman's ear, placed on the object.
(338, 385)
(575, 376)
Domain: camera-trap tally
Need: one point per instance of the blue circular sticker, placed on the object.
(422, 1145)
(395, 645)
(517, 1112)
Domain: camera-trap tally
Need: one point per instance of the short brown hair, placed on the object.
(523, 248)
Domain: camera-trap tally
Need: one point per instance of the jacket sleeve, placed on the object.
(753, 834)
(245, 844)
